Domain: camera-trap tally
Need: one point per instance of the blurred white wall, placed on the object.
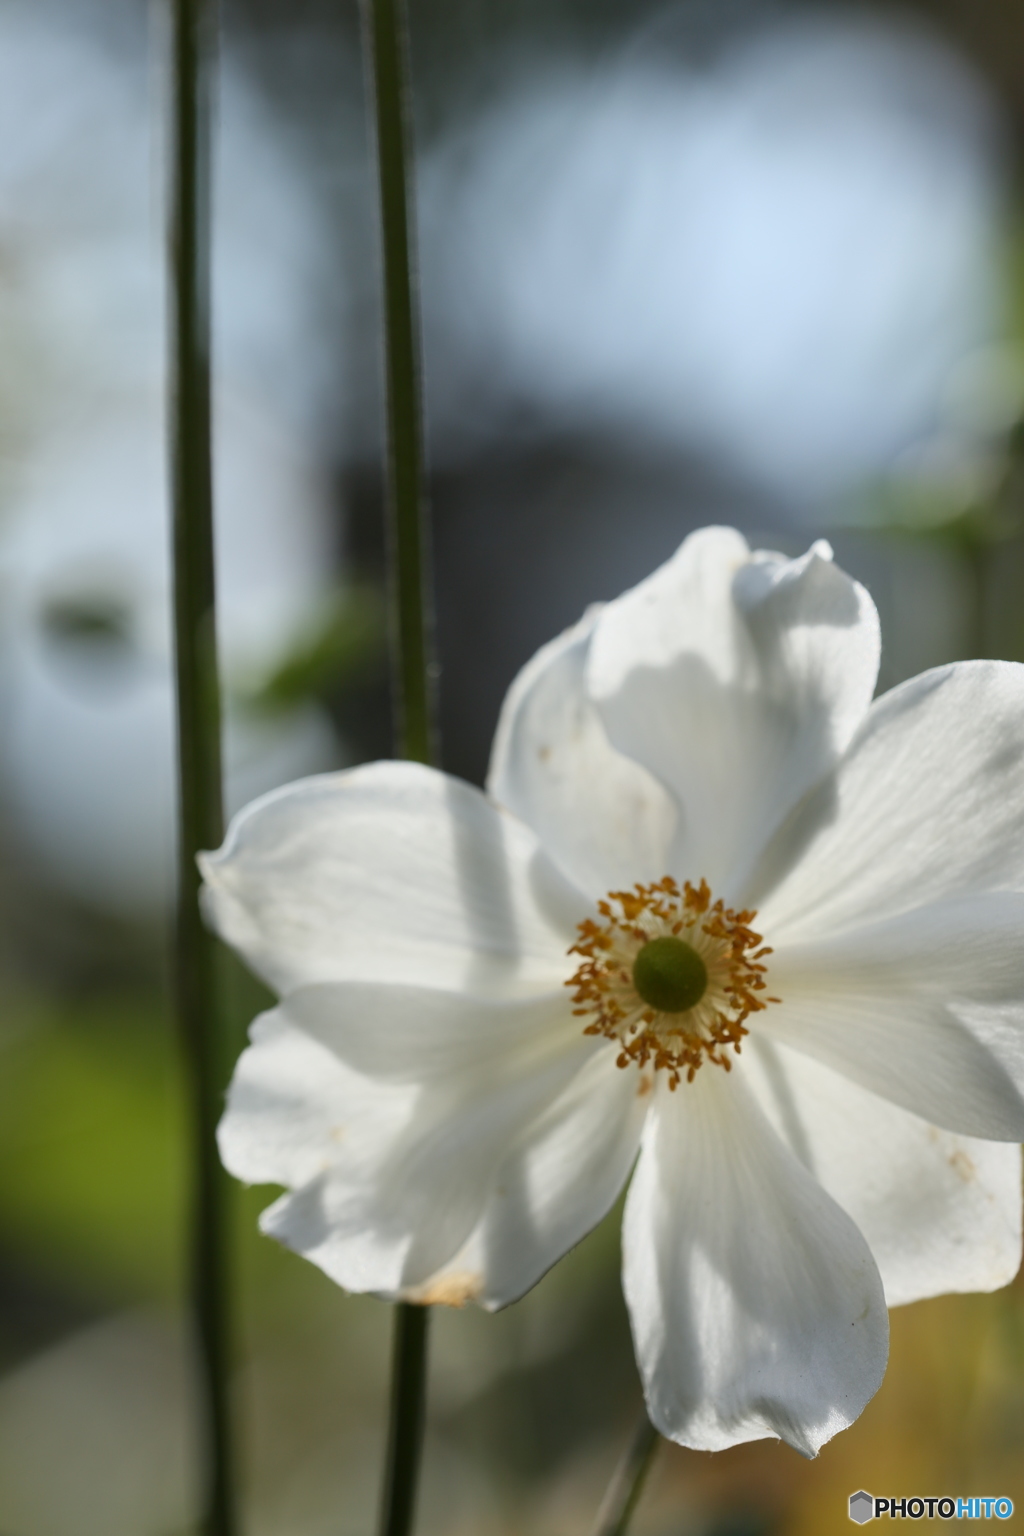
(777, 248)
(86, 708)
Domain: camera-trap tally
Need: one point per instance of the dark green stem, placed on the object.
(387, 61)
(412, 628)
(626, 1486)
(405, 1429)
(199, 768)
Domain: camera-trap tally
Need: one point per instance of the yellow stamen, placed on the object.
(606, 990)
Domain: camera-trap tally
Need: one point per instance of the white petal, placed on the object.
(599, 815)
(926, 1009)
(390, 872)
(560, 1179)
(738, 680)
(389, 1225)
(467, 1189)
(756, 1307)
(928, 803)
(292, 1103)
(407, 1034)
(940, 1212)
(404, 1173)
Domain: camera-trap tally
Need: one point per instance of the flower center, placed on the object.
(670, 975)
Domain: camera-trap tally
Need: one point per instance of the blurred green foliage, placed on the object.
(344, 644)
(91, 1169)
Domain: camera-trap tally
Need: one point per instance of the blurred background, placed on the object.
(723, 260)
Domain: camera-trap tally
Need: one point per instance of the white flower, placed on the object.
(447, 1121)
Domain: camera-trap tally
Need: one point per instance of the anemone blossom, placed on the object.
(719, 916)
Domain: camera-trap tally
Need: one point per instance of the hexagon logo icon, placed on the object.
(862, 1507)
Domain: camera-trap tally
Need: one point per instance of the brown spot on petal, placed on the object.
(451, 1290)
(962, 1164)
(645, 1087)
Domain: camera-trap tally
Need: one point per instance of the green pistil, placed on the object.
(669, 975)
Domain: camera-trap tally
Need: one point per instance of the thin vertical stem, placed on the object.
(626, 1486)
(411, 615)
(405, 1428)
(199, 767)
(387, 58)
